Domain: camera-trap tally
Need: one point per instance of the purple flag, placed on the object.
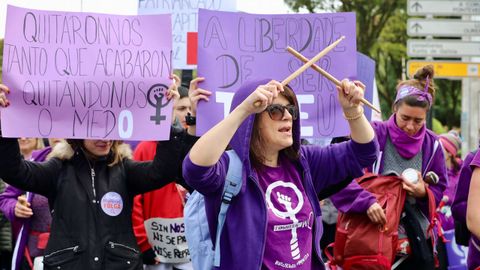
(79, 75)
(237, 47)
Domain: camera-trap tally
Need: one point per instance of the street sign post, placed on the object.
(446, 69)
(446, 48)
(442, 27)
(442, 7)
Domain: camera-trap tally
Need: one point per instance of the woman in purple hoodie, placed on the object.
(405, 142)
(473, 215)
(275, 221)
(31, 213)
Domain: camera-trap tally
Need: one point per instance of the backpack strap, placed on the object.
(233, 184)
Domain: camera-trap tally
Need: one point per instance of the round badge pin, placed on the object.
(112, 203)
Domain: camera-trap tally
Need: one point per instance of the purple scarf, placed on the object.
(406, 145)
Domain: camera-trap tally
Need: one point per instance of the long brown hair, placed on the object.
(257, 154)
(419, 81)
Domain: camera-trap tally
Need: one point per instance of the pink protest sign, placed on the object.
(234, 48)
(79, 75)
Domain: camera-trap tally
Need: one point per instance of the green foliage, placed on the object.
(389, 52)
(437, 127)
(448, 102)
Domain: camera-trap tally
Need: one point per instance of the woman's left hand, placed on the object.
(349, 95)
(417, 190)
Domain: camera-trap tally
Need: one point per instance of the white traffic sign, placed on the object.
(442, 48)
(442, 27)
(443, 7)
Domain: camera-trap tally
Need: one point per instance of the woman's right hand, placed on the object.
(4, 91)
(376, 214)
(22, 207)
(263, 96)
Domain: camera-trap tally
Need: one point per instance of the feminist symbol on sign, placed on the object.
(155, 96)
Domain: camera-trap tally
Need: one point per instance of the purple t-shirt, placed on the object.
(476, 160)
(289, 218)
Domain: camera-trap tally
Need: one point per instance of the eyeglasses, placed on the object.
(277, 111)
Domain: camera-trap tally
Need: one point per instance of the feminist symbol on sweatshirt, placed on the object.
(290, 212)
(156, 95)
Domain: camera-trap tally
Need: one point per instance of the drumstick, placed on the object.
(327, 75)
(306, 65)
(311, 61)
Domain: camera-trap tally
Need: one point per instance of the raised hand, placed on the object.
(349, 95)
(173, 88)
(263, 96)
(195, 94)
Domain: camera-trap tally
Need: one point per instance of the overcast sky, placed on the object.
(126, 7)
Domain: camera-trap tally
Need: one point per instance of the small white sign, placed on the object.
(443, 7)
(442, 27)
(442, 48)
(167, 238)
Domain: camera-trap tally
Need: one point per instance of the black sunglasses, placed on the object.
(277, 111)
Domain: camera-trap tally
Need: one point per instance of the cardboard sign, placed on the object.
(167, 238)
(237, 47)
(79, 75)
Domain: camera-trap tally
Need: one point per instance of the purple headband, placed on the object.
(408, 90)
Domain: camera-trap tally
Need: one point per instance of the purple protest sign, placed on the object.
(366, 74)
(79, 75)
(236, 47)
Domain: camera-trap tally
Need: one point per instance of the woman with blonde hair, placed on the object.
(28, 145)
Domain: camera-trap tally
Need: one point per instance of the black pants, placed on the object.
(5, 260)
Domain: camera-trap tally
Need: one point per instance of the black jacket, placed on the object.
(90, 232)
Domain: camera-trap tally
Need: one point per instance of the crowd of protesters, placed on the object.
(51, 197)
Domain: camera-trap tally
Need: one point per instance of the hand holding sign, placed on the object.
(4, 102)
(196, 94)
(173, 88)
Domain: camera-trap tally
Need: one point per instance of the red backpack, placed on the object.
(362, 244)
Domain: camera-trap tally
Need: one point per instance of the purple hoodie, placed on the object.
(243, 236)
(459, 209)
(8, 200)
(364, 199)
